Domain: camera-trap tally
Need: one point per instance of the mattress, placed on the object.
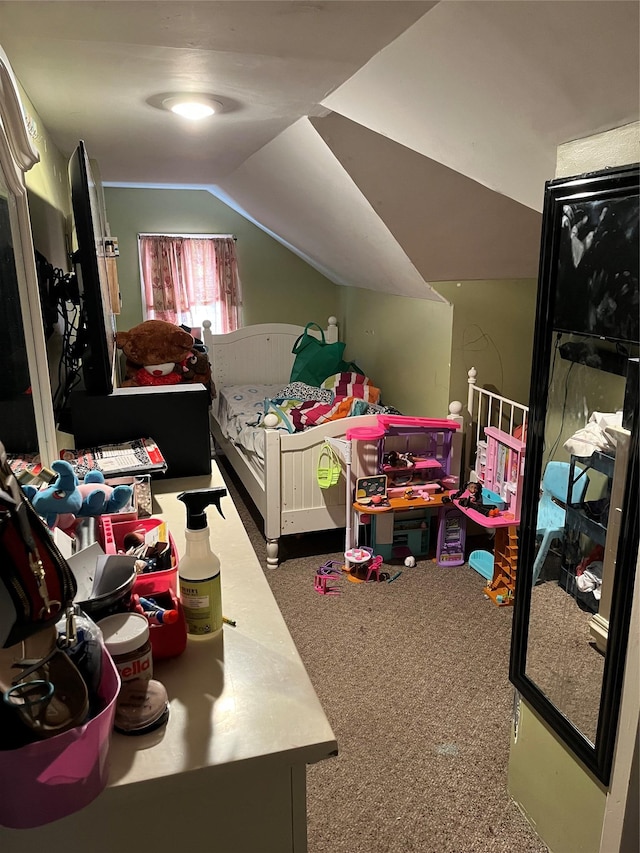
(237, 409)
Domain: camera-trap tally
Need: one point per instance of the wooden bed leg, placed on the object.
(272, 553)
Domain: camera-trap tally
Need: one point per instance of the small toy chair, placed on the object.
(551, 517)
(327, 572)
(321, 585)
(374, 568)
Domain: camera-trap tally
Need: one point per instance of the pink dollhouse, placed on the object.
(500, 467)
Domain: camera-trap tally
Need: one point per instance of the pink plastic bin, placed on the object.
(52, 778)
(112, 539)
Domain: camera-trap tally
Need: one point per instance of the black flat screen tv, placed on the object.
(96, 332)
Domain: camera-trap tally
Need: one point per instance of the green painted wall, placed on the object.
(493, 325)
(564, 803)
(403, 344)
(277, 285)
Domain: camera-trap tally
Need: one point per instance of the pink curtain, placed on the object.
(189, 279)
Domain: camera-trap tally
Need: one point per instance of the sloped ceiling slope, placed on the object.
(444, 221)
(490, 89)
(450, 133)
(297, 189)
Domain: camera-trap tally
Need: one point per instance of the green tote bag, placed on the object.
(315, 359)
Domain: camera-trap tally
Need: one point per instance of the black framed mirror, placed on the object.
(580, 520)
(26, 408)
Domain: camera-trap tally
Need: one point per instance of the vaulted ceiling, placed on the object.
(390, 144)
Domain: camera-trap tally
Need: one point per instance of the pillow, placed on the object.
(302, 391)
(352, 385)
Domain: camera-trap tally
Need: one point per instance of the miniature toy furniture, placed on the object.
(374, 568)
(501, 588)
(414, 458)
(552, 507)
(488, 409)
(502, 471)
(402, 528)
(326, 573)
(501, 585)
(451, 536)
(499, 467)
(416, 453)
(356, 557)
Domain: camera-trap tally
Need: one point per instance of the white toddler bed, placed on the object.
(279, 475)
(279, 471)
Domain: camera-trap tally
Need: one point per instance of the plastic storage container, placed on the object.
(168, 641)
(112, 540)
(52, 778)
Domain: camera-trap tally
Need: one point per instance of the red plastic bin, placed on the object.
(167, 641)
(112, 540)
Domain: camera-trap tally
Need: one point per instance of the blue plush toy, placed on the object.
(66, 499)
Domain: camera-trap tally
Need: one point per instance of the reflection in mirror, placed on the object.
(17, 416)
(578, 538)
(565, 653)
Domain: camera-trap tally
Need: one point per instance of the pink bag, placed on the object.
(51, 778)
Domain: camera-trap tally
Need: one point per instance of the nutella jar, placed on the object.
(126, 638)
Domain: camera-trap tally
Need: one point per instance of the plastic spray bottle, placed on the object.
(199, 570)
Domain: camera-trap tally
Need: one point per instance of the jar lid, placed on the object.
(124, 632)
(142, 706)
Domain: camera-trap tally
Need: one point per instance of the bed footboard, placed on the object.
(304, 505)
(486, 408)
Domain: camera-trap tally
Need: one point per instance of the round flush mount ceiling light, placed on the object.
(191, 106)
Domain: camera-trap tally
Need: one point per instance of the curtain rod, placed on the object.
(187, 236)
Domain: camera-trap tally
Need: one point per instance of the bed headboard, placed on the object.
(260, 353)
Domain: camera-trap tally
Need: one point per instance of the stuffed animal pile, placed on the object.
(66, 500)
(161, 353)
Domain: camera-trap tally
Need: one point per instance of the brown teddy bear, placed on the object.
(152, 349)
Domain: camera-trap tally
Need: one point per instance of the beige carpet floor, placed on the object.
(412, 675)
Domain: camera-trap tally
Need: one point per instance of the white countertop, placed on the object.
(242, 694)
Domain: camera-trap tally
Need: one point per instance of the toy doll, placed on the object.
(473, 499)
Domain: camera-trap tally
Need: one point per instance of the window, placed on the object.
(188, 279)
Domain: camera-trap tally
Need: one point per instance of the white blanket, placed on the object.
(237, 408)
